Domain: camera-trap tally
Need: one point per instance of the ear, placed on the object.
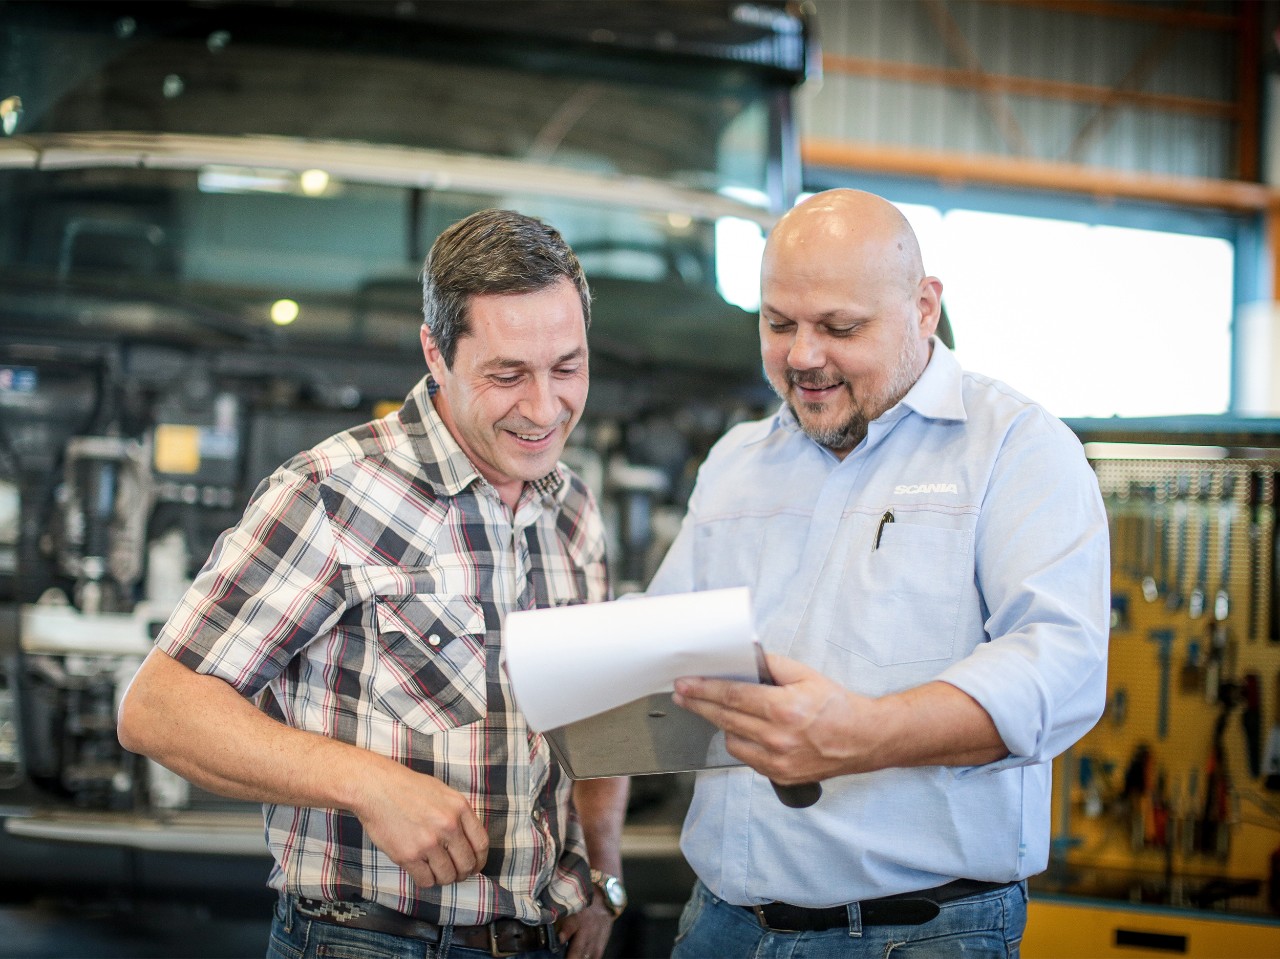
(431, 353)
(929, 305)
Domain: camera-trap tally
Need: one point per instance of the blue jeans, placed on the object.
(295, 936)
(984, 926)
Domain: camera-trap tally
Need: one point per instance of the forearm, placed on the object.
(809, 728)
(931, 725)
(205, 731)
(602, 809)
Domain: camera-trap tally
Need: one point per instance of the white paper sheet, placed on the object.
(572, 662)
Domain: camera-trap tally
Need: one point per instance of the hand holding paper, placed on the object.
(569, 664)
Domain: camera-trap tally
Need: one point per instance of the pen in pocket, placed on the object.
(886, 518)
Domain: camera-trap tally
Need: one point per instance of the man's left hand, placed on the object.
(808, 728)
(587, 932)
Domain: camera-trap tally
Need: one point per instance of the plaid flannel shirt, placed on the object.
(362, 596)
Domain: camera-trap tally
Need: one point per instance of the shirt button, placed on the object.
(433, 640)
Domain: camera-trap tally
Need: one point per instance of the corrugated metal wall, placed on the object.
(1044, 41)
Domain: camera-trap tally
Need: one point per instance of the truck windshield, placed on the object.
(243, 253)
(325, 246)
(136, 67)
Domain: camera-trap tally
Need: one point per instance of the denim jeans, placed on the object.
(984, 926)
(295, 936)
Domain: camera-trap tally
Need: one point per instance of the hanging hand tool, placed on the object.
(1165, 516)
(1273, 619)
(1147, 504)
(1216, 667)
(1191, 679)
(1271, 763)
(1214, 836)
(1119, 611)
(1251, 719)
(1195, 604)
(1226, 519)
(1163, 638)
(1180, 511)
(1117, 708)
(1257, 506)
(1138, 794)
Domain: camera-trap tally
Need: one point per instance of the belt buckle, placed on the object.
(764, 920)
(494, 949)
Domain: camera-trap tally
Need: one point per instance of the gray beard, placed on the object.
(847, 435)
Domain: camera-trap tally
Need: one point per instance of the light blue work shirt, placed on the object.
(992, 576)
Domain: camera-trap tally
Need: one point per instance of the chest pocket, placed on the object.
(429, 661)
(903, 598)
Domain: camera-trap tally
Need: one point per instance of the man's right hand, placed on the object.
(427, 828)
(206, 732)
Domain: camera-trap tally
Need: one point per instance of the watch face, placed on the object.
(615, 895)
(613, 891)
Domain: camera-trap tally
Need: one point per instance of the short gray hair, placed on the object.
(487, 253)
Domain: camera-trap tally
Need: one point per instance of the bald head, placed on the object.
(848, 227)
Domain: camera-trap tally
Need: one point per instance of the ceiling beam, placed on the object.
(956, 169)
(959, 48)
(1024, 86)
(1142, 12)
(1105, 115)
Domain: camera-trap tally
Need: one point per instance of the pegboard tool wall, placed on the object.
(1173, 778)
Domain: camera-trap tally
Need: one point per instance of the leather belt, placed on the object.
(904, 909)
(502, 937)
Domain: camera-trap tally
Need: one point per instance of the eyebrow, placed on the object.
(824, 317)
(512, 363)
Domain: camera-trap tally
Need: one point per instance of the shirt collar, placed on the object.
(939, 392)
(448, 470)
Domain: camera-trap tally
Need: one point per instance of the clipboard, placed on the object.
(653, 735)
(647, 736)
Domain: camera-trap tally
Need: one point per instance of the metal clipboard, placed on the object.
(646, 736)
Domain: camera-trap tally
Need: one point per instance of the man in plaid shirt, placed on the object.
(339, 656)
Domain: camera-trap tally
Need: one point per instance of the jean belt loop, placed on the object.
(288, 915)
(855, 920)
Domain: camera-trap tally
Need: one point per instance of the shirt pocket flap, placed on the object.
(904, 594)
(429, 668)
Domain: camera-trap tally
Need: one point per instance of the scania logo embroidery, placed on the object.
(926, 488)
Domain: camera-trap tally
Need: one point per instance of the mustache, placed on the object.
(524, 426)
(810, 379)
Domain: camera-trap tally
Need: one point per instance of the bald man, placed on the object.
(929, 570)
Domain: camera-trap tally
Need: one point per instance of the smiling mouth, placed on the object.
(533, 439)
(815, 392)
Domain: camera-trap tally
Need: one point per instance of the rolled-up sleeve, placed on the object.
(271, 585)
(1043, 572)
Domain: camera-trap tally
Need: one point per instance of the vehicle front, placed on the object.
(212, 222)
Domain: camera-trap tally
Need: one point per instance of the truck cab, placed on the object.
(213, 217)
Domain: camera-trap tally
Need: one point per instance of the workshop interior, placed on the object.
(213, 217)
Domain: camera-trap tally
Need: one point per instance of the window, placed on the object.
(1088, 320)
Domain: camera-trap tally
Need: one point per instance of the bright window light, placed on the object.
(739, 246)
(1086, 320)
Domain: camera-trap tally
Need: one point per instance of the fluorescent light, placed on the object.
(284, 312)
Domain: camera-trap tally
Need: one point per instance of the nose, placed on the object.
(539, 404)
(805, 352)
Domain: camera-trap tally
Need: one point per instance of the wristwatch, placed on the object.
(615, 894)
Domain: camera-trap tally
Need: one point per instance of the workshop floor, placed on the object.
(48, 929)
